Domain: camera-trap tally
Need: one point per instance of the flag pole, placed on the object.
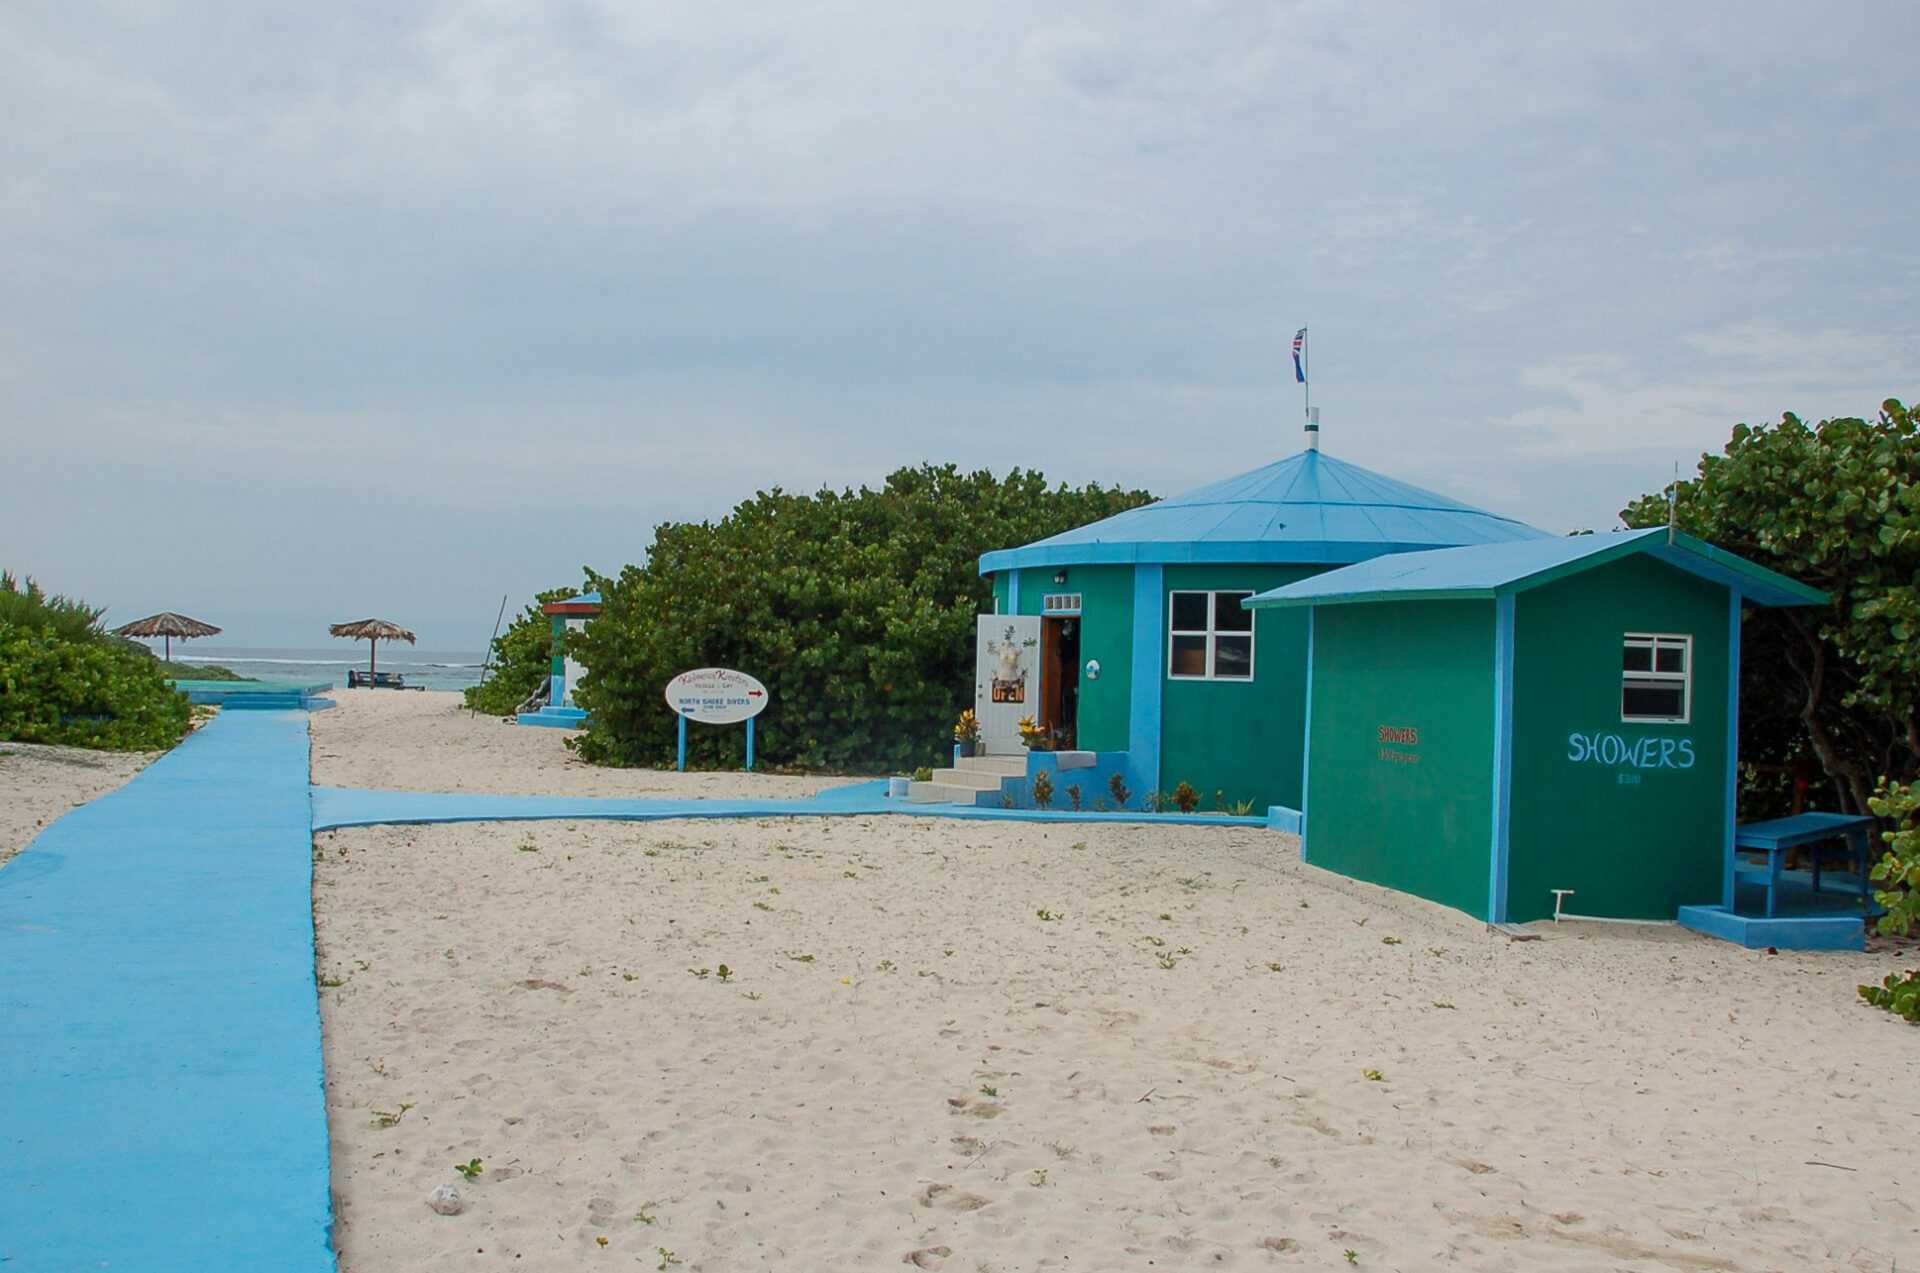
(1300, 370)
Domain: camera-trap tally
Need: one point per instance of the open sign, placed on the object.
(716, 696)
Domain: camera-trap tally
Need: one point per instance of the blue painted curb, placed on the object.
(161, 1098)
(335, 807)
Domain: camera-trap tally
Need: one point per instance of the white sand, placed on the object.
(953, 1080)
(39, 783)
(403, 740)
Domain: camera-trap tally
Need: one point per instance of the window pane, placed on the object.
(1189, 656)
(1233, 657)
(1637, 658)
(1671, 658)
(1227, 614)
(1189, 612)
(1653, 700)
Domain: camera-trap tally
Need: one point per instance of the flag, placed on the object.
(1299, 350)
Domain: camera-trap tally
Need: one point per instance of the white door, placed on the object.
(1006, 673)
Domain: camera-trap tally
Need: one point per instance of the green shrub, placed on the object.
(85, 694)
(1185, 798)
(177, 671)
(27, 606)
(855, 608)
(522, 658)
(1898, 872)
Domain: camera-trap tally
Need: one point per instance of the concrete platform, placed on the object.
(1832, 919)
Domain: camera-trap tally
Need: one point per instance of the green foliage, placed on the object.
(1835, 505)
(522, 658)
(25, 605)
(1121, 792)
(1899, 869)
(1042, 790)
(1185, 798)
(856, 608)
(63, 680)
(178, 671)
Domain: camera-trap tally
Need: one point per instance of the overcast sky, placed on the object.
(315, 312)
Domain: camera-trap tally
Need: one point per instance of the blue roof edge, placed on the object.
(1268, 552)
(1753, 582)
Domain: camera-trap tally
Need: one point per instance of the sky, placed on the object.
(319, 312)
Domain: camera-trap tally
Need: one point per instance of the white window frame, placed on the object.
(1654, 642)
(1212, 634)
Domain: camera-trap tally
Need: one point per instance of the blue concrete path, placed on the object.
(161, 1101)
(335, 807)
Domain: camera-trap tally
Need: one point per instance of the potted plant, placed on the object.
(966, 732)
(1035, 736)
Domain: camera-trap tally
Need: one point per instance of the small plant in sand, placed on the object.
(1039, 1178)
(1121, 793)
(1167, 960)
(469, 1170)
(1047, 915)
(701, 973)
(1185, 798)
(1389, 941)
(1042, 790)
(668, 1259)
(987, 1089)
(1352, 1256)
(1374, 1076)
(391, 1117)
(761, 906)
(723, 972)
(644, 1216)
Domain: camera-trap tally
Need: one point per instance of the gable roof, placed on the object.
(1497, 570)
(1309, 508)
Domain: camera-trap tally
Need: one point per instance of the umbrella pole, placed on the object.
(169, 640)
(373, 653)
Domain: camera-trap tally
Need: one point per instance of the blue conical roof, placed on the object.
(1307, 509)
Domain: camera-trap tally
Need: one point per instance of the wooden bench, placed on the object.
(358, 680)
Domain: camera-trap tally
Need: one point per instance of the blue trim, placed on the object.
(1811, 932)
(1143, 709)
(1306, 743)
(683, 745)
(1503, 615)
(557, 691)
(1733, 738)
(1282, 552)
(1013, 592)
(749, 744)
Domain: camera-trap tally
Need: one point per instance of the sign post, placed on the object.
(715, 696)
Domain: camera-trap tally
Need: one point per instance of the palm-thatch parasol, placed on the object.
(169, 625)
(372, 631)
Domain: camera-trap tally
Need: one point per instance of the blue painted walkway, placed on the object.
(351, 807)
(161, 1101)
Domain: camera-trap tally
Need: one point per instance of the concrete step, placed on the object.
(974, 779)
(1004, 766)
(940, 793)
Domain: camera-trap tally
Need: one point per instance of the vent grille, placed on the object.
(1060, 603)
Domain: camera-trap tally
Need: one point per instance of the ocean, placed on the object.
(430, 669)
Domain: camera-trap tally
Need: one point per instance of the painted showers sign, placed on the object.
(1630, 757)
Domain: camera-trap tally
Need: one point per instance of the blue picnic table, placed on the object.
(1777, 837)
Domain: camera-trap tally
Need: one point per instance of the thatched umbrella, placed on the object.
(169, 625)
(373, 632)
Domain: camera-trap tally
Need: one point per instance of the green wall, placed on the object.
(1412, 810)
(1243, 738)
(1635, 838)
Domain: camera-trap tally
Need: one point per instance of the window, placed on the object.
(1656, 678)
(1210, 638)
(1060, 603)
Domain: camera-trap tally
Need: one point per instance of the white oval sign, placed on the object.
(716, 695)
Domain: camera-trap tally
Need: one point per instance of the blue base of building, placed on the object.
(554, 718)
(266, 696)
(1783, 932)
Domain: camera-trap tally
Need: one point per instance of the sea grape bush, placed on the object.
(63, 680)
(1898, 874)
(1835, 505)
(855, 608)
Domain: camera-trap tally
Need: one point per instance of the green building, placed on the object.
(1487, 725)
(1129, 638)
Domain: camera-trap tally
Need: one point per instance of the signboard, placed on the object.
(716, 696)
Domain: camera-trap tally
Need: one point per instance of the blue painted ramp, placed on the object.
(161, 1102)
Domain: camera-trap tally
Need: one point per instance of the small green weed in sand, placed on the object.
(668, 1259)
(762, 906)
(390, 1117)
(470, 1170)
(644, 1216)
(1353, 1256)
(723, 972)
(701, 973)
(1389, 941)
(1374, 1076)
(1047, 915)
(801, 959)
(987, 1089)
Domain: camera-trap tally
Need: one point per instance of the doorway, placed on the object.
(1060, 680)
